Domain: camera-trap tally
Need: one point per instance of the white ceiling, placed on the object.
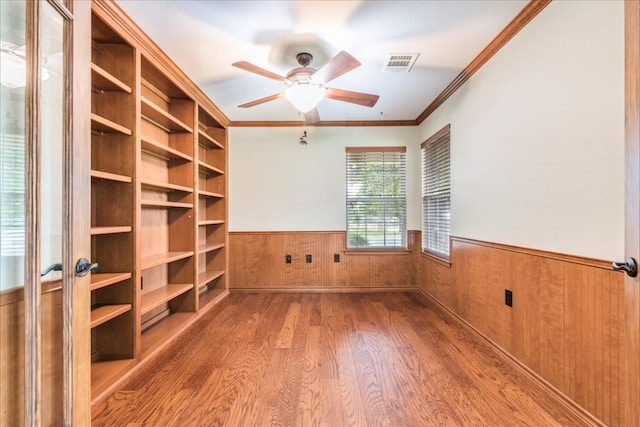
(205, 37)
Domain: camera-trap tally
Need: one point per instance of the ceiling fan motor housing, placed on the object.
(304, 58)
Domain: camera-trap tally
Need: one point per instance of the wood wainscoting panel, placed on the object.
(594, 322)
(11, 363)
(538, 314)
(433, 277)
(532, 329)
(12, 355)
(567, 320)
(257, 261)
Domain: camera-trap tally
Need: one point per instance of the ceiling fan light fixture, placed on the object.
(13, 70)
(305, 95)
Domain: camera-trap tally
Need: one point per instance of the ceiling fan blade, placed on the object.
(311, 116)
(337, 66)
(366, 99)
(244, 65)
(261, 100)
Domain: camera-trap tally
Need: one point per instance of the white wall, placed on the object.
(537, 147)
(276, 184)
(537, 136)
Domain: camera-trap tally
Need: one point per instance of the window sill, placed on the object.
(385, 251)
(439, 259)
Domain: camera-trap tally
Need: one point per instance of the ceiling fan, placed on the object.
(304, 86)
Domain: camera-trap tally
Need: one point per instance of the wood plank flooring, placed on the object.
(286, 359)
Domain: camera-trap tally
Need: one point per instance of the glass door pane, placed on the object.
(52, 172)
(13, 75)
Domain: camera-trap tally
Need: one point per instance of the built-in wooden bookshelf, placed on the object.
(167, 221)
(159, 212)
(212, 208)
(113, 169)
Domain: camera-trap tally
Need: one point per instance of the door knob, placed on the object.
(629, 266)
(83, 267)
(53, 267)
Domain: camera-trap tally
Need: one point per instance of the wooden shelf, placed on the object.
(207, 276)
(163, 151)
(210, 194)
(105, 313)
(100, 280)
(115, 229)
(103, 125)
(96, 174)
(159, 296)
(105, 81)
(209, 169)
(157, 115)
(105, 373)
(202, 249)
(211, 222)
(165, 204)
(164, 186)
(150, 261)
(208, 141)
(212, 296)
(157, 336)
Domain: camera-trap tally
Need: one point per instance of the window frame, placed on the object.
(403, 247)
(441, 136)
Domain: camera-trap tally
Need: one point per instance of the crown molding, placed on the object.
(343, 123)
(518, 23)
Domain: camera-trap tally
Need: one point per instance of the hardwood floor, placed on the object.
(285, 359)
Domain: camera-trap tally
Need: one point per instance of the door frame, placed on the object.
(77, 244)
(631, 400)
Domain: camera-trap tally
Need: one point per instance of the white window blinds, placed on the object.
(12, 187)
(376, 197)
(436, 193)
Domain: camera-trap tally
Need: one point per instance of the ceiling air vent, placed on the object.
(400, 62)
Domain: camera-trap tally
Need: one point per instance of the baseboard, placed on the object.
(321, 289)
(554, 392)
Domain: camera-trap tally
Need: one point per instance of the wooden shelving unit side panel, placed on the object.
(213, 260)
(212, 146)
(114, 339)
(182, 143)
(212, 208)
(112, 151)
(211, 182)
(212, 279)
(164, 279)
(212, 234)
(157, 169)
(111, 52)
(117, 293)
(117, 107)
(157, 185)
(161, 296)
(165, 102)
(112, 203)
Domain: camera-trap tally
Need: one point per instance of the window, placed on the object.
(12, 210)
(436, 193)
(376, 197)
